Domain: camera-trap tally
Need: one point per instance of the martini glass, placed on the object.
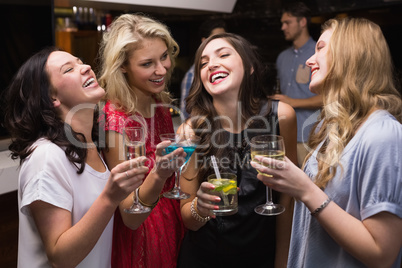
(271, 146)
(188, 143)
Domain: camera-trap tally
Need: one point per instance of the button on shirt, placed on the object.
(294, 78)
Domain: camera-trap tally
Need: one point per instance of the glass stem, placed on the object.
(136, 202)
(269, 196)
(176, 180)
(177, 183)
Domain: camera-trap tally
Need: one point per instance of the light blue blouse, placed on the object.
(370, 183)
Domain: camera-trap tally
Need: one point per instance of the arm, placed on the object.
(67, 245)
(313, 103)
(151, 186)
(288, 130)
(190, 184)
(375, 241)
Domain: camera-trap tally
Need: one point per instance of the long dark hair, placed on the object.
(200, 105)
(30, 114)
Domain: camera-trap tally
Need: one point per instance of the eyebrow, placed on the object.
(146, 60)
(69, 62)
(217, 51)
(319, 43)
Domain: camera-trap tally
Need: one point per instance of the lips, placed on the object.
(217, 76)
(89, 82)
(313, 72)
(158, 80)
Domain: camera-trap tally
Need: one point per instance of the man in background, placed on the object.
(294, 75)
(206, 29)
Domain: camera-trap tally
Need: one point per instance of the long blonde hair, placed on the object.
(125, 35)
(360, 78)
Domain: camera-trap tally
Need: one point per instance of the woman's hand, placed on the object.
(207, 202)
(166, 164)
(125, 178)
(286, 176)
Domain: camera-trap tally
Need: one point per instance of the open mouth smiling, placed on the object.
(217, 76)
(157, 80)
(89, 82)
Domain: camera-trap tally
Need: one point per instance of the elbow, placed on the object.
(190, 226)
(62, 263)
(132, 225)
(383, 261)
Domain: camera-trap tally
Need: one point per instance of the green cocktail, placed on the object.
(226, 189)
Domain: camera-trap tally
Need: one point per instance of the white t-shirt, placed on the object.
(48, 175)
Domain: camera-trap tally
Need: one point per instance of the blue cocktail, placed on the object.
(188, 143)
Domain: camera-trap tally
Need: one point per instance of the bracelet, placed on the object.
(195, 214)
(142, 202)
(323, 205)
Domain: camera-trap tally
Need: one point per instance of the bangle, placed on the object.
(323, 205)
(142, 202)
(195, 214)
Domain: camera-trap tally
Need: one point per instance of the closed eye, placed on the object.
(146, 64)
(68, 70)
(164, 56)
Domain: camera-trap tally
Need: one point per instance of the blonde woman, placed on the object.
(353, 176)
(138, 56)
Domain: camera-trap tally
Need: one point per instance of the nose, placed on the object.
(310, 61)
(213, 64)
(160, 69)
(283, 27)
(85, 68)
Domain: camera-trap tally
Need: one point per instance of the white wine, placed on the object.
(135, 149)
(278, 155)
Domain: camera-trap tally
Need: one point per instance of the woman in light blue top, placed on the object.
(349, 207)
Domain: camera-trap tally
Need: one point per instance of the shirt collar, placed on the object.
(306, 45)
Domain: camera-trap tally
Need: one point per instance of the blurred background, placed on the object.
(77, 27)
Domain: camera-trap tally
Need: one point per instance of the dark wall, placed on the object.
(26, 27)
(259, 22)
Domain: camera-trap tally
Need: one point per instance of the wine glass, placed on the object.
(188, 143)
(134, 146)
(271, 146)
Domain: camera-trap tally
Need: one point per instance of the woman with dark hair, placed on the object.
(349, 212)
(66, 194)
(228, 107)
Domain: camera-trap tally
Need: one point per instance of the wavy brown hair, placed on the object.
(199, 102)
(30, 114)
(360, 78)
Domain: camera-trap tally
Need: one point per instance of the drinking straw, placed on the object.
(218, 176)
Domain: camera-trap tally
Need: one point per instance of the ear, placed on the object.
(55, 100)
(252, 70)
(303, 22)
(123, 70)
(56, 103)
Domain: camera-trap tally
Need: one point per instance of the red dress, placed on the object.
(156, 242)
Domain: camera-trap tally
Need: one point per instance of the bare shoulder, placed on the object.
(285, 111)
